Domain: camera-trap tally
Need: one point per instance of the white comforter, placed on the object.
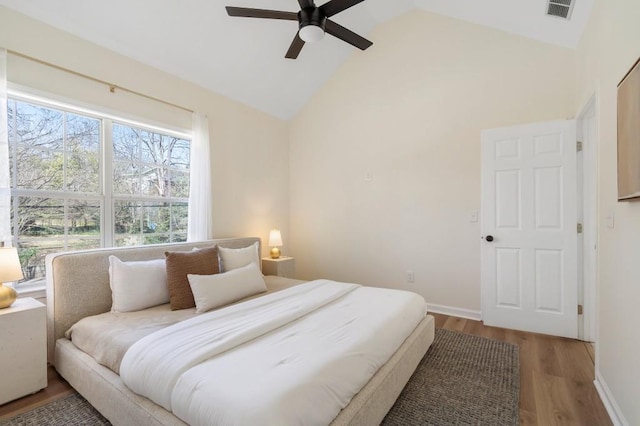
(290, 358)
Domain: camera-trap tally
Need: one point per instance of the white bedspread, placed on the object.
(290, 358)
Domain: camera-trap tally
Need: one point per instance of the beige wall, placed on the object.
(609, 47)
(410, 112)
(249, 152)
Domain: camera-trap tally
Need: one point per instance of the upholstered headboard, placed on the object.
(78, 282)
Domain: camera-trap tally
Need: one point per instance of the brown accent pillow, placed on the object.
(181, 263)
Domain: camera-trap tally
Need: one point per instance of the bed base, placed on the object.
(106, 392)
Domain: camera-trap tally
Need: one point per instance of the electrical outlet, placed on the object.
(411, 277)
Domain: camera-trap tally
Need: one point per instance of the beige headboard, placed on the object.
(78, 282)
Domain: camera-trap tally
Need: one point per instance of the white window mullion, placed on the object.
(14, 179)
(106, 175)
(65, 201)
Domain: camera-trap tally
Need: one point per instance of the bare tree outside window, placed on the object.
(58, 195)
(151, 186)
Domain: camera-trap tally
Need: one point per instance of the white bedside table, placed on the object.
(23, 349)
(283, 266)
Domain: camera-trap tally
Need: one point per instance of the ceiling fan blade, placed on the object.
(336, 6)
(344, 34)
(295, 48)
(261, 13)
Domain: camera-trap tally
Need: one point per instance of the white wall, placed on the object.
(249, 152)
(609, 47)
(410, 112)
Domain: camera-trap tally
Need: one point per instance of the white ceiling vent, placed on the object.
(560, 8)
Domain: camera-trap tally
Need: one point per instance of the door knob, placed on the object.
(489, 238)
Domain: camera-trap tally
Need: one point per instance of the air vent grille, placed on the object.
(560, 8)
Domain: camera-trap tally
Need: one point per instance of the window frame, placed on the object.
(105, 196)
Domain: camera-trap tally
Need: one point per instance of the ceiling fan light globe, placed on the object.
(311, 33)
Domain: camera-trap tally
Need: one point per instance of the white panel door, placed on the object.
(529, 228)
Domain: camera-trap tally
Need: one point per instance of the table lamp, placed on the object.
(10, 270)
(275, 241)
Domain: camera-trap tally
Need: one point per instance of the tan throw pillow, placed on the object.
(181, 263)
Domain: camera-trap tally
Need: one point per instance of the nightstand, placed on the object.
(283, 266)
(23, 349)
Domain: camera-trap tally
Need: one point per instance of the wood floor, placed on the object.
(556, 378)
(556, 375)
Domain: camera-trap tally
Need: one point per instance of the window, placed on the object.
(150, 186)
(70, 191)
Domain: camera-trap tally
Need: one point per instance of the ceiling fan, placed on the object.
(313, 22)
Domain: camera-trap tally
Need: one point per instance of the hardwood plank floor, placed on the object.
(556, 378)
(556, 375)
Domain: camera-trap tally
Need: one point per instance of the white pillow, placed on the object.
(237, 258)
(212, 291)
(137, 285)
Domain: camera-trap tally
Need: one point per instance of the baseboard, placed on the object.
(454, 312)
(617, 418)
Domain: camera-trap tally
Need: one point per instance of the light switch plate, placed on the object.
(611, 220)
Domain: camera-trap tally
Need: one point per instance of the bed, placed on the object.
(78, 287)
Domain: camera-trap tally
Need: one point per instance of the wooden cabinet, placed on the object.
(23, 349)
(283, 266)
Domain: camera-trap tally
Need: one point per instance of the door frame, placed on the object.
(589, 329)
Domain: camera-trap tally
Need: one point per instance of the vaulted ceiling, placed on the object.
(244, 58)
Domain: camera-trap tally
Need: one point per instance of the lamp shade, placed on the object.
(275, 238)
(10, 269)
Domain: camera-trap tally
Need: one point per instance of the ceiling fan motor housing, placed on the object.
(311, 16)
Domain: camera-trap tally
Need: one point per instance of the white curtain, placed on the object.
(200, 200)
(5, 182)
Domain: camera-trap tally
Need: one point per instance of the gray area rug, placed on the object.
(462, 380)
(72, 410)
